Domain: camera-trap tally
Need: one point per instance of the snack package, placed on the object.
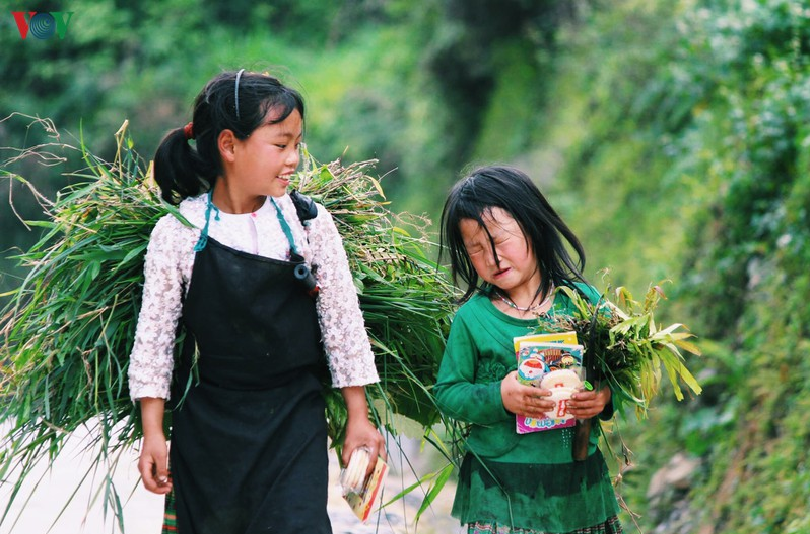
(569, 338)
(560, 395)
(555, 366)
(361, 492)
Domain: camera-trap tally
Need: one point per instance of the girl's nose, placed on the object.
(292, 158)
(493, 259)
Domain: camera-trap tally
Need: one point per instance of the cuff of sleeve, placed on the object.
(138, 393)
(357, 381)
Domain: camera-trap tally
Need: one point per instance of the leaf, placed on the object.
(377, 186)
(688, 346)
(437, 486)
(683, 372)
(93, 269)
(412, 487)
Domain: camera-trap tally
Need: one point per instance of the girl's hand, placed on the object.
(587, 404)
(359, 430)
(153, 464)
(524, 400)
(361, 433)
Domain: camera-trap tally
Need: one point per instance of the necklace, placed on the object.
(509, 302)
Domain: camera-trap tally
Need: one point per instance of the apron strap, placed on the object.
(285, 227)
(203, 240)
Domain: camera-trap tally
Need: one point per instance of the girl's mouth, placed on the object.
(502, 272)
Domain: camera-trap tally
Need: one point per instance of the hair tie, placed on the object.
(188, 129)
(236, 93)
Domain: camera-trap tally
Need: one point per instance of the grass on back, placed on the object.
(69, 327)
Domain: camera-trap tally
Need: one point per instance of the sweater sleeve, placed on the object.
(345, 340)
(456, 392)
(152, 358)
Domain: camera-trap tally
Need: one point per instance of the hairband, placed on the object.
(236, 93)
(188, 129)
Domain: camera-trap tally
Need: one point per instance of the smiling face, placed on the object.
(511, 266)
(264, 162)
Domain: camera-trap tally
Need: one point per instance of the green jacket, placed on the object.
(479, 354)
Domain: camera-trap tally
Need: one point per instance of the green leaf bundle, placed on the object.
(629, 348)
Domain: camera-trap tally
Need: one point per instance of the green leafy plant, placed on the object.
(628, 348)
(69, 328)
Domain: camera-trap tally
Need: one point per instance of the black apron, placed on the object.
(249, 443)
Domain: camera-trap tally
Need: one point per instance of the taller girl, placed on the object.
(249, 444)
(508, 246)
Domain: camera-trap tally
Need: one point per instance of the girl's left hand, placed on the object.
(587, 404)
(361, 433)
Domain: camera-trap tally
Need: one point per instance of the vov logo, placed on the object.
(42, 25)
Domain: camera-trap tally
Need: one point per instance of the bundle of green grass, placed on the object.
(69, 329)
(628, 349)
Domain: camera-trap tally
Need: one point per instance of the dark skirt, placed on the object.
(558, 498)
(611, 526)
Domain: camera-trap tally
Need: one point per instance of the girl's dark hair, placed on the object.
(513, 191)
(182, 170)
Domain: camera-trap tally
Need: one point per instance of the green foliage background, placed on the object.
(672, 134)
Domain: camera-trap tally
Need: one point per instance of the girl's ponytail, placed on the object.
(177, 168)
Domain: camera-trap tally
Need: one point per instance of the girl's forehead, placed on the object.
(291, 125)
(495, 217)
(274, 113)
(497, 214)
(494, 220)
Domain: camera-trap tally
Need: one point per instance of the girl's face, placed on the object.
(516, 269)
(265, 161)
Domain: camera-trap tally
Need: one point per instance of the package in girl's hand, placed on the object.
(553, 362)
(363, 493)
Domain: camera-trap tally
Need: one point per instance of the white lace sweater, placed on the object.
(167, 271)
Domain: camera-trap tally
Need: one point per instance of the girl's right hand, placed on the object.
(153, 464)
(527, 401)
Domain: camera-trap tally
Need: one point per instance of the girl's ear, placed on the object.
(225, 143)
